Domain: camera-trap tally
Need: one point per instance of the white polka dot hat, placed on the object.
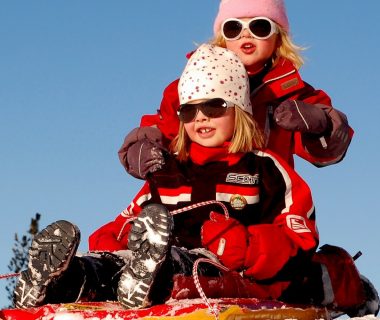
(215, 72)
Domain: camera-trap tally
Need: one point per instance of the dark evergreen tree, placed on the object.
(20, 250)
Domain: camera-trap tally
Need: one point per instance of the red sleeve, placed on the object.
(166, 119)
(286, 198)
(113, 236)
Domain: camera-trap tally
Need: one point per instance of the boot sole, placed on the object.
(26, 295)
(49, 255)
(50, 251)
(149, 240)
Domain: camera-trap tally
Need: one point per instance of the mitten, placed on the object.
(296, 115)
(227, 238)
(268, 251)
(142, 152)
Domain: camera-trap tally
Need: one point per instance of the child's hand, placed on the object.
(227, 238)
(268, 251)
(144, 157)
(142, 152)
(296, 115)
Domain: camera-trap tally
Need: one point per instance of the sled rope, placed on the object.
(126, 213)
(9, 275)
(213, 309)
(201, 204)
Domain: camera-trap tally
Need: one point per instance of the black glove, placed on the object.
(142, 152)
(296, 115)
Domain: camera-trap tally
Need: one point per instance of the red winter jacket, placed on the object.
(281, 83)
(260, 191)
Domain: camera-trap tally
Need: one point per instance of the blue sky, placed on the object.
(75, 77)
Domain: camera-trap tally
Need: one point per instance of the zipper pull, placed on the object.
(270, 111)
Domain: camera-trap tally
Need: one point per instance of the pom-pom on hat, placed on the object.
(272, 9)
(215, 72)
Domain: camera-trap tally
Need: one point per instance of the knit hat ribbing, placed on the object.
(272, 9)
(215, 72)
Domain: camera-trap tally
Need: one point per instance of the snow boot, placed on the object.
(149, 241)
(179, 263)
(345, 289)
(50, 254)
(372, 301)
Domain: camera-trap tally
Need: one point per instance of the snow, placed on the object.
(150, 265)
(128, 283)
(362, 318)
(70, 316)
(67, 316)
(116, 312)
(153, 236)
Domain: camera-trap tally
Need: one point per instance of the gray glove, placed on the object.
(335, 143)
(296, 115)
(142, 152)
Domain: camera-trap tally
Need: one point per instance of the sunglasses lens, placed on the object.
(187, 112)
(260, 28)
(232, 29)
(214, 108)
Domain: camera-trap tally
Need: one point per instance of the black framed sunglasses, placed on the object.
(212, 108)
(259, 27)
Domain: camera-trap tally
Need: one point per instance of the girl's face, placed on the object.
(254, 53)
(211, 132)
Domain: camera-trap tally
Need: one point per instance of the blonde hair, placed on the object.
(285, 49)
(246, 137)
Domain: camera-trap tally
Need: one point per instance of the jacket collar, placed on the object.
(280, 80)
(201, 155)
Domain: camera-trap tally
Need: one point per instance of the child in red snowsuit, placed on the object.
(271, 235)
(262, 245)
(294, 117)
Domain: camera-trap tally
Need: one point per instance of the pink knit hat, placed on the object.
(272, 9)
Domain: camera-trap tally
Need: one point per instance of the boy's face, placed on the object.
(211, 132)
(254, 53)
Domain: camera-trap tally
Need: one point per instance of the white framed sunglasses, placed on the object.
(259, 27)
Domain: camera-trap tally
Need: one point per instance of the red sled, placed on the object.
(189, 309)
